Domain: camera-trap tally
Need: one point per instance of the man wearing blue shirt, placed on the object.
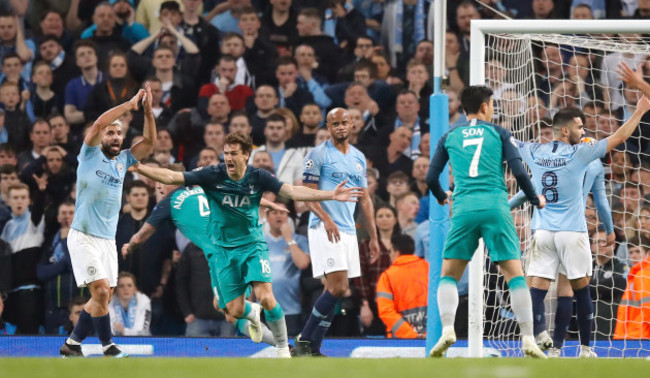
(91, 240)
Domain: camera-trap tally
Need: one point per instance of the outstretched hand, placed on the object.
(347, 194)
(643, 105)
(136, 99)
(631, 78)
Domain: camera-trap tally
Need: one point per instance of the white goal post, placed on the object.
(480, 29)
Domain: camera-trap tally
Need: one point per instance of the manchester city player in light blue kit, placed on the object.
(332, 230)
(91, 241)
(560, 241)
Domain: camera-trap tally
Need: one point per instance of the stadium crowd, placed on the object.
(271, 69)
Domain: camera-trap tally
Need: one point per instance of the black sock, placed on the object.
(539, 318)
(322, 311)
(585, 314)
(83, 328)
(102, 326)
(562, 320)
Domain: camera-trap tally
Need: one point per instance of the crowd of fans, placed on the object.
(272, 69)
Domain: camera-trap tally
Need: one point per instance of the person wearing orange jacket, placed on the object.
(633, 319)
(402, 291)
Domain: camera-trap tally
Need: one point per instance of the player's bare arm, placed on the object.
(161, 175)
(138, 239)
(94, 136)
(303, 193)
(272, 206)
(625, 131)
(144, 147)
(369, 213)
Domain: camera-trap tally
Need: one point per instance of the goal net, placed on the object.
(533, 76)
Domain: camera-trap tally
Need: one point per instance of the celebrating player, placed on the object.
(561, 242)
(476, 150)
(91, 241)
(334, 250)
(189, 210)
(234, 190)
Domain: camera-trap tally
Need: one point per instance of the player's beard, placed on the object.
(108, 151)
(340, 139)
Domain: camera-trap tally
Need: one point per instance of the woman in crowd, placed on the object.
(130, 310)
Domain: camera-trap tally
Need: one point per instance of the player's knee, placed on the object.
(338, 290)
(102, 295)
(235, 310)
(266, 299)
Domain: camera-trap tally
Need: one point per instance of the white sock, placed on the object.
(447, 302)
(522, 306)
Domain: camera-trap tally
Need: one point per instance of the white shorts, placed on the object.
(92, 258)
(565, 252)
(329, 257)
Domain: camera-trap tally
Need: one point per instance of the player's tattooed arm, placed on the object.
(96, 131)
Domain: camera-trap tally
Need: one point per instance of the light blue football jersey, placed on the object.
(595, 183)
(99, 191)
(328, 167)
(558, 173)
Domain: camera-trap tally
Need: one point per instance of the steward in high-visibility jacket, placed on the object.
(633, 319)
(402, 291)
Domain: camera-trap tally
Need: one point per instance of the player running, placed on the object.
(333, 245)
(560, 240)
(189, 210)
(476, 150)
(91, 241)
(234, 190)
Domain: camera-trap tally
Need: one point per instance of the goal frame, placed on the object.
(479, 29)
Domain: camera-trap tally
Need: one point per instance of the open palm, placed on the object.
(347, 194)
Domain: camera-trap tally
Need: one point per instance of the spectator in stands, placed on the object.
(263, 160)
(396, 184)
(314, 82)
(8, 177)
(44, 100)
(106, 37)
(239, 123)
(543, 9)
(224, 83)
(643, 10)
(55, 271)
(356, 97)
(78, 89)
(384, 70)
(311, 118)
(24, 232)
(16, 121)
(419, 175)
(621, 168)
(124, 23)
(290, 94)
(75, 306)
(12, 70)
(207, 156)
(288, 162)
(7, 154)
(357, 125)
(465, 13)
(328, 54)
(407, 205)
(291, 122)
(116, 89)
(643, 222)
(607, 284)
(195, 296)
(162, 113)
(233, 44)
(366, 285)
(129, 309)
(227, 21)
(391, 158)
(12, 40)
(425, 145)
(266, 100)
(40, 136)
(631, 197)
(215, 137)
(51, 23)
(203, 34)
(607, 124)
(407, 108)
(289, 254)
(63, 65)
(403, 27)
(402, 291)
(149, 13)
(364, 48)
(279, 26)
(260, 55)
(344, 23)
(61, 134)
(636, 249)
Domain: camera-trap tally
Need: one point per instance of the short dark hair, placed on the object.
(11, 55)
(84, 43)
(47, 38)
(152, 79)
(565, 117)
(244, 141)
(37, 121)
(6, 147)
(66, 202)
(77, 301)
(473, 97)
(239, 113)
(125, 274)
(171, 6)
(227, 58)
(248, 10)
(275, 117)
(163, 46)
(287, 60)
(403, 244)
(7, 169)
(137, 184)
(231, 35)
(367, 65)
(310, 13)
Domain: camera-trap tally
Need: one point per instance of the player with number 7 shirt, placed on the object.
(476, 150)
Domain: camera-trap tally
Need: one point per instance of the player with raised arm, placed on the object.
(476, 150)
(91, 241)
(333, 245)
(188, 209)
(234, 190)
(560, 240)
(593, 182)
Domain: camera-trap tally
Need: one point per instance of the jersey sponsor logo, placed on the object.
(346, 176)
(235, 201)
(309, 164)
(471, 132)
(108, 179)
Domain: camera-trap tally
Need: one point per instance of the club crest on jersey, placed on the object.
(309, 164)
(234, 200)
(252, 189)
(359, 167)
(120, 167)
(514, 141)
(91, 270)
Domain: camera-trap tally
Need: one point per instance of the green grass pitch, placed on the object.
(321, 367)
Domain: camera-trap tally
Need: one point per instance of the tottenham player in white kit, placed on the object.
(560, 241)
(332, 228)
(91, 241)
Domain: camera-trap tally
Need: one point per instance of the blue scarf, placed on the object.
(330, 22)
(58, 61)
(418, 34)
(57, 248)
(128, 317)
(414, 150)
